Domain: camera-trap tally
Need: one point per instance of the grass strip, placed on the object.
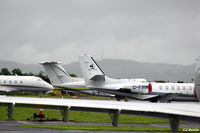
(24, 113)
(100, 128)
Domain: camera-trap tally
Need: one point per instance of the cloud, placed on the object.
(147, 31)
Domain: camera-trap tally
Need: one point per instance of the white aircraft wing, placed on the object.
(173, 111)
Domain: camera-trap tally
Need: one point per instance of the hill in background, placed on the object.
(121, 69)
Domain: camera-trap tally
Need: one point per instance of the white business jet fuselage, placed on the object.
(23, 83)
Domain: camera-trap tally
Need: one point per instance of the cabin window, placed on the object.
(190, 87)
(178, 87)
(172, 87)
(15, 81)
(166, 87)
(10, 81)
(4, 81)
(184, 88)
(21, 82)
(160, 87)
(0, 80)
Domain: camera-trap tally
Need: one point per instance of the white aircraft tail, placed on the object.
(197, 79)
(56, 73)
(90, 69)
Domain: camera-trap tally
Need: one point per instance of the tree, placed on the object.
(44, 77)
(73, 75)
(16, 71)
(159, 81)
(28, 74)
(5, 71)
(180, 81)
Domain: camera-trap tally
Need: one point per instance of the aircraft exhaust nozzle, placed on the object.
(149, 88)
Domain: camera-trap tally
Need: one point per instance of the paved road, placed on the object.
(12, 126)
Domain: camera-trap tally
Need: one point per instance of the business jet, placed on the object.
(96, 79)
(23, 84)
(62, 80)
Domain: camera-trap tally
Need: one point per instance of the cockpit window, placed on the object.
(39, 79)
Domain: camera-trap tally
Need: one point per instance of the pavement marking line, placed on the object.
(23, 122)
(154, 125)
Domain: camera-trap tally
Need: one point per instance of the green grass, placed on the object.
(61, 96)
(100, 128)
(24, 113)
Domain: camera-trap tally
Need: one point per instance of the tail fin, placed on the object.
(197, 79)
(90, 69)
(56, 73)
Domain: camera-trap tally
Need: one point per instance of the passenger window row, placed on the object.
(11, 82)
(173, 87)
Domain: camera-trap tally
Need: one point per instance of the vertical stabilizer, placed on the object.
(197, 79)
(90, 69)
(56, 73)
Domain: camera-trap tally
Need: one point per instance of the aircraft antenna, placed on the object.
(101, 53)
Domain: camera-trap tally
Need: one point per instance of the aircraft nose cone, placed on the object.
(49, 86)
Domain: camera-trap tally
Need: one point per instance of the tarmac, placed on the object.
(12, 126)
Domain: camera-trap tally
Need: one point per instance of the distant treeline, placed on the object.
(18, 71)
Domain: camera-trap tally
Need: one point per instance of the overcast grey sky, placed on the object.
(166, 31)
